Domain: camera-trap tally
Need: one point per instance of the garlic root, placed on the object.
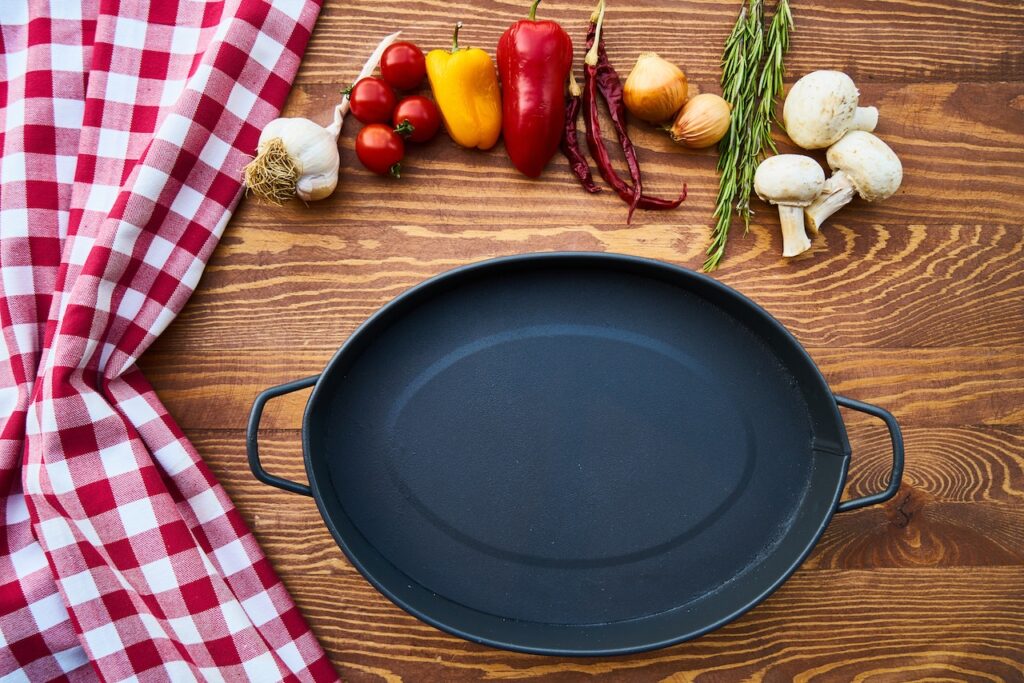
(273, 179)
(297, 157)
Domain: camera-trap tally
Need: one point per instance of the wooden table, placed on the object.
(916, 304)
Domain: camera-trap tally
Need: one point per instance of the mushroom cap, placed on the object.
(870, 164)
(819, 108)
(790, 179)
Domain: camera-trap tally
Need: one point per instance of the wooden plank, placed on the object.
(891, 624)
(960, 503)
(944, 464)
(933, 387)
(878, 287)
(949, 464)
(888, 40)
(955, 153)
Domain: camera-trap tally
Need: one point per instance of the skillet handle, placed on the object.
(897, 454)
(252, 434)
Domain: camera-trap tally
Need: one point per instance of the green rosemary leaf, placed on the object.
(752, 78)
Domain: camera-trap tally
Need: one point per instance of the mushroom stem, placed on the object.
(794, 238)
(865, 118)
(837, 193)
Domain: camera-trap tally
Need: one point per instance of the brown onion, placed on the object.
(702, 122)
(655, 89)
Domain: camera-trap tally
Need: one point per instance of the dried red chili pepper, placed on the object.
(610, 86)
(613, 97)
(570, 141)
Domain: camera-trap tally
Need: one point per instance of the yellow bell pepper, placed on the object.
(465, 86)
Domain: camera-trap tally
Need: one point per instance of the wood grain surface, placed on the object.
(916, 304)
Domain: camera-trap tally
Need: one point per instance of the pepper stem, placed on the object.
(574, 86)
(591, 58)
(455, 37)
(533, 10)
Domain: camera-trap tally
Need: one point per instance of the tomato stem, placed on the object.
(405, 128)
(533, 10)
(396, 170)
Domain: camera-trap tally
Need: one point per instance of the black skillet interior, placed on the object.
(574, 453)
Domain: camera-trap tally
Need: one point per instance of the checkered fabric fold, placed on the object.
(123, 128)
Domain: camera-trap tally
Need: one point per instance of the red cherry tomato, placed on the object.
(421, 113)
(403, 66)
(372, 100)
(380, 149)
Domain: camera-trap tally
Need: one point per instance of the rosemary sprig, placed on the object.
(752, 71)
(769, 86)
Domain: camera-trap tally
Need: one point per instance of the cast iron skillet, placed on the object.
(574, 453)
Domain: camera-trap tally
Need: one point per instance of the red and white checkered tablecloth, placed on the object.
(123, 128)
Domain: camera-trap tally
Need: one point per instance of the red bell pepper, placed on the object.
(534, 58)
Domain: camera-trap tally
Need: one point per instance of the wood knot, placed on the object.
(907, 503)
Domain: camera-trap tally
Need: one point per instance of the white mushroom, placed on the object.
(822, 106)
(861, 164)
(792, 181)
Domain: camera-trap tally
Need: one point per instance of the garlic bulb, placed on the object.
(294, 157)
(702, 122)
(655, 88)
(298, 157)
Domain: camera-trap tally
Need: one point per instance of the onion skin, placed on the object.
(702, 122)
(655, 89)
